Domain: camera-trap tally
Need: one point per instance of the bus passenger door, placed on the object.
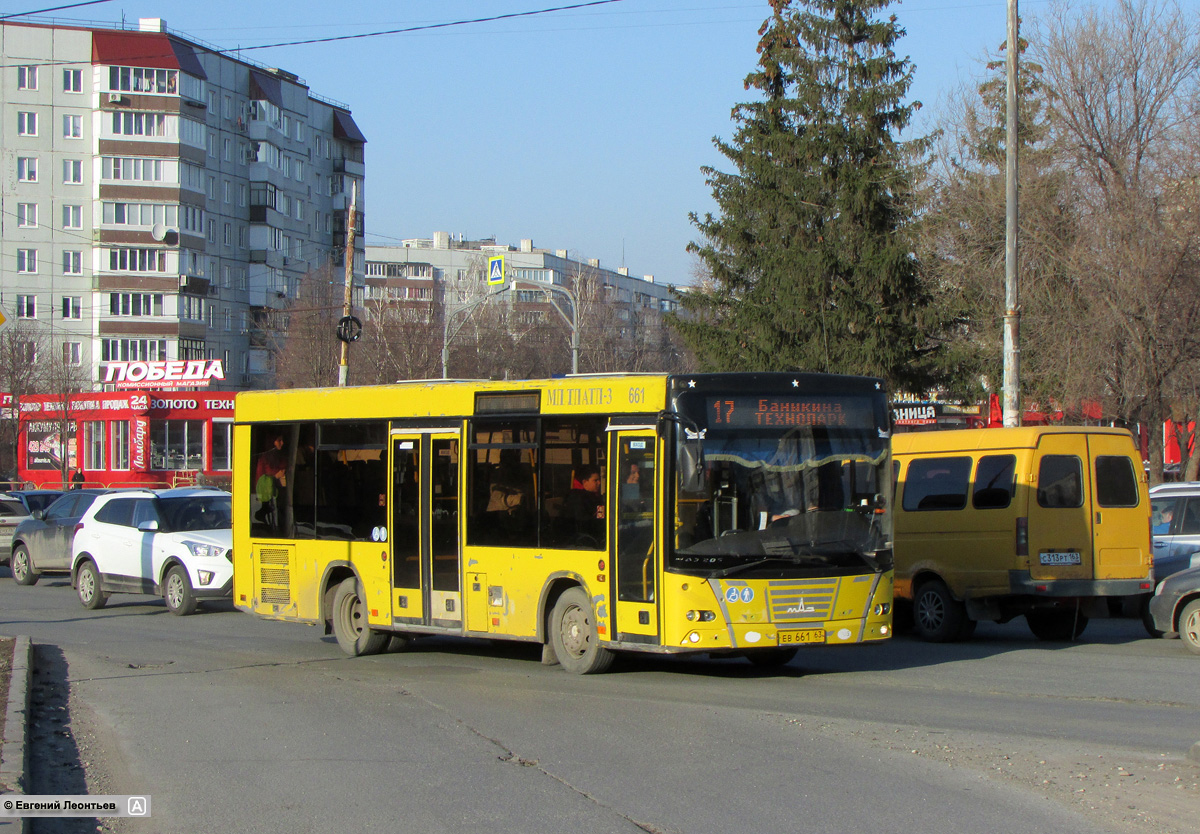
(635, 549)
(424, 530)
(406, 533)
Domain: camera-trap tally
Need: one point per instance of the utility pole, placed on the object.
(1012, 315)
(351, 221)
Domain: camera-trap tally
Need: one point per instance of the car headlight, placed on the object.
(202, 551)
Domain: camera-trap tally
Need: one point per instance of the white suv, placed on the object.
(173, 542)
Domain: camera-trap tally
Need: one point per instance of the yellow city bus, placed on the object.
(742, 514)
(1051, 523)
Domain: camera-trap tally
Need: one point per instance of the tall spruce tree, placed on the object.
(810, 263)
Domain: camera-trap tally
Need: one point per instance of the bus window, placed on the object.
(937, 484)
(503, 463)
(995, 481)
(1060, 482)
(574, 481)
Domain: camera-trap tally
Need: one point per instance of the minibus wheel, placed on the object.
(1057, 625)
(937, 616)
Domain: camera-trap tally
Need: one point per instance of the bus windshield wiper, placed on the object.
(757, 563)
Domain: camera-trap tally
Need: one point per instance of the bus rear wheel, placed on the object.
(1056, 625)
(350, 622)
(574, 636)
(937, 616)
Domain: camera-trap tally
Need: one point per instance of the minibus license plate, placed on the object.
(1061, 558)
(807, 635)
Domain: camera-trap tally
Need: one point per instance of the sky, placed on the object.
(582, 129)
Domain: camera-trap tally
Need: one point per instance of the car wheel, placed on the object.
(177, 592)
(1147, 620)
(350, 622)
(1189, 626)
(1056, 625)
(937, 616)
(87, 585)
(574, 635)
(22, 570)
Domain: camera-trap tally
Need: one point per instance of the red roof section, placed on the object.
(134, 49)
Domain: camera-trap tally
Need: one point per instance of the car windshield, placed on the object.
(197, 512)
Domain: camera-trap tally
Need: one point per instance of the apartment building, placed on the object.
(158, 194)
(448, 269)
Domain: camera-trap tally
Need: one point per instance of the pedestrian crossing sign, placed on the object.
(496, 270)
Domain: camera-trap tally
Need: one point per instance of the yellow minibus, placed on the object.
(993, 524)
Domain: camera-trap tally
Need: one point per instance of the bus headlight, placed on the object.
(882, 608)
(701, 616)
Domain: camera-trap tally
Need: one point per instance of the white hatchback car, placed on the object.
(175, 542)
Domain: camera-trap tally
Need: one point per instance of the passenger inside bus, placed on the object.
(583, 508)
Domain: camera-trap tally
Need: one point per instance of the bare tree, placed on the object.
(1125, 86)
(63, 381)
(20, 344)
(302, 336)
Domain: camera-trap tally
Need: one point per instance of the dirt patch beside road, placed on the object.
(1135, 792)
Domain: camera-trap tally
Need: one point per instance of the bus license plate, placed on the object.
(807, 635)
(1070, 557)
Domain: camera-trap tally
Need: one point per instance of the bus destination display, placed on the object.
(777, 411)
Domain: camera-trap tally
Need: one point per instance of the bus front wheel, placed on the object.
(574, 635)
(350, 622)
(937, 616)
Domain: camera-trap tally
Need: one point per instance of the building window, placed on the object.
(176, 444)
(144, 170)
(27, 169)
(72, 307)
(27, 261)
(227, 149)
(27, 78)
(72, 353)
(27, 306)
(212, 188)
(227, 237)
(130, 123)
(226, 191)
(72, 217)
(120, 444)
(222, 445)
(142, 80)
(72, 171)
(72, 262)
(243, 237)
(135, 303)
(26, 124)
(72, 81)
(27, 215)
(212, 231)
(191, 349)
(72, 127)
(93, 444)
(137, 260)
(133, 350)
(139, 214)
(191, 307)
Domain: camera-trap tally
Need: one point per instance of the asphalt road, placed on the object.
(234, 723)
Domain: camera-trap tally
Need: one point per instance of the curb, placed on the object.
(14, 754)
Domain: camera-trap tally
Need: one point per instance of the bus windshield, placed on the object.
(782, 501)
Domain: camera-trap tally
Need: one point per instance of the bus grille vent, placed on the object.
(801, 600)
(272, 556)
(275, 596)
(274, 576)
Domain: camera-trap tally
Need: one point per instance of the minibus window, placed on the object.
(1115, 482)
(994, 481)
(1060, 482)
(937, 484)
